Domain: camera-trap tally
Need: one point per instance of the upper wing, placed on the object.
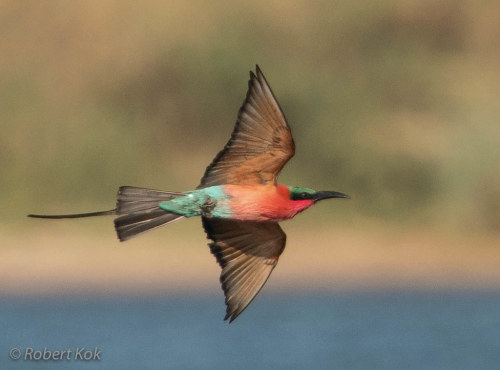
(247, 253)
(261, 142)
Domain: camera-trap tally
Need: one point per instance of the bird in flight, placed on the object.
(238, 199)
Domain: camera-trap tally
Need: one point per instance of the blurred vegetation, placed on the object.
(392, 102)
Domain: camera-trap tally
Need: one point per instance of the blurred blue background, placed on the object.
(395, 330)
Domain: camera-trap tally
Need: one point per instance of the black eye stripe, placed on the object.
(301, 196)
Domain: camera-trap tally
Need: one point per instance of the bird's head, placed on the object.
(298, 193)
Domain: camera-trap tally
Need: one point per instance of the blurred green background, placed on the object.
(392, 102)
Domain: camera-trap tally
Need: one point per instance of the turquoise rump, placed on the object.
(208, 202)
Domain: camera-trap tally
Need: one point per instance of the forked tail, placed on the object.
(137, 209)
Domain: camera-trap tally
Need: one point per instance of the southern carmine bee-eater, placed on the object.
(238, 199)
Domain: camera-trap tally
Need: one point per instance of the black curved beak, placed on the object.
(320, 195)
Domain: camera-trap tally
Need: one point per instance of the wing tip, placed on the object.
(257, 75)
(231, 316)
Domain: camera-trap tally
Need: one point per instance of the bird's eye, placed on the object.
(301, 196)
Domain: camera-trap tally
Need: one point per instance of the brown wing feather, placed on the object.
(247, 253)
(261, 142)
